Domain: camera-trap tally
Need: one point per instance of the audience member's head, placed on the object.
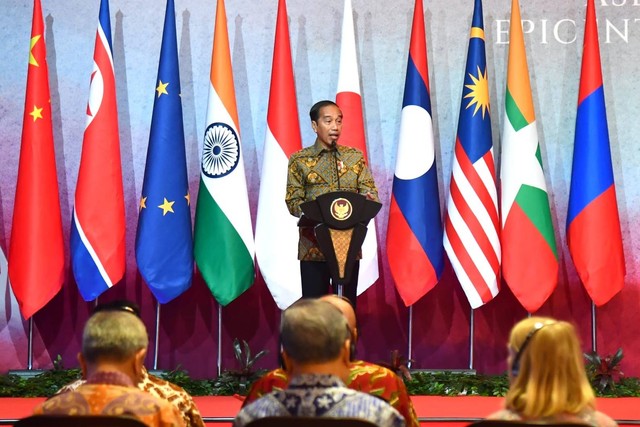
(546, 369)
(118, 305)
(114, 340)
(315, 338)
(344, 305)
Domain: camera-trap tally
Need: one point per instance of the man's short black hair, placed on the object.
(119, 305)
(314, 113)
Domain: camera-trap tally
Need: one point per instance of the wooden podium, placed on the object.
(340, 221)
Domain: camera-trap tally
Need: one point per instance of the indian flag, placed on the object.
(223, 236)
(529, 254)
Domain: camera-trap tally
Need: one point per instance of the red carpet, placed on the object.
(434, 411)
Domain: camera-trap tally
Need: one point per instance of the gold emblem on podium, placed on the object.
(341, 209)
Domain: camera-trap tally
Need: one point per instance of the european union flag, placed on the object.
(164, 243)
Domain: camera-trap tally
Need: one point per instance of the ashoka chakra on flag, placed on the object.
(221, 150)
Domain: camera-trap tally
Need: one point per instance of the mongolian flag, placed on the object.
(593, 224)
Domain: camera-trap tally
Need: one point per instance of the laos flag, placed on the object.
(593, 224)
(414, 235)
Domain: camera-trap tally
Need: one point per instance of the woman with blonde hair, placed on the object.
(547, 375)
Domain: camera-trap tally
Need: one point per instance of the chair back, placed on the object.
(309, 422)
(79, 421)
(519, 423)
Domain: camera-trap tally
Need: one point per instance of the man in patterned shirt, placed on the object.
(363, 376)
(158, 387)
(114, 345)
(321, 168)
(316, 346)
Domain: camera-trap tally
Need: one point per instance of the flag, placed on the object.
(527, 227)
(349, 100)
(4, 270)
(164, 246)
(36, 250)
(593, 224)
(223, 237)
(97, 229)
(274, 222)
(471, 222)
(414, 235)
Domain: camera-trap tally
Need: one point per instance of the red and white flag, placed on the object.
(349, 100)
(274, 222)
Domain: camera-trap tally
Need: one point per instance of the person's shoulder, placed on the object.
(361, 368)
(304, 152)
(162, 388)
(346, 149)
(604, 420)
(504, 414)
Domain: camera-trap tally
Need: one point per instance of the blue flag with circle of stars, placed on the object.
(164, 242)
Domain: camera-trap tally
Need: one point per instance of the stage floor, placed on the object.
(432, 410)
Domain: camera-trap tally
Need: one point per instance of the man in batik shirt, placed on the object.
(363, 376)
(114, 345)
(324, 167)
(158, 387)
(316, 345)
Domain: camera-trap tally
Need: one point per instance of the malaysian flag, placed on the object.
(471, 223)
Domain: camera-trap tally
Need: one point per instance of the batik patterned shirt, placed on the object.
(316, 170)
(112, 393)
(312, 395)
(164, 390)
(363, 376)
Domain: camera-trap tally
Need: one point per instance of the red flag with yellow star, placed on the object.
(36, 251)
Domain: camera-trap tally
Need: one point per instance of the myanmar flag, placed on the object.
(527, 228)
(223, 236)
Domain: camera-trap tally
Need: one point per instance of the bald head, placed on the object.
(346, 308)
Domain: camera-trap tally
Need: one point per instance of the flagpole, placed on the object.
(30, 345)
(410, 349)
(471, 338)
(594, 344)
(157, 334)
(219, 339)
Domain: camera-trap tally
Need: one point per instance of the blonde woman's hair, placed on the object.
(550, 377)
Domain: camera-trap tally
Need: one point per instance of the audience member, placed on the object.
(363, 376)
(114, 345)
(150, 383)
(548, 379)
(316, 344)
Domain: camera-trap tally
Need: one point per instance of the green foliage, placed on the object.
(238, 381)
(457, 384)
(604, 372)
(45, 384)
(194, 387)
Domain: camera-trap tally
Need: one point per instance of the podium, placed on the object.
(340, 221)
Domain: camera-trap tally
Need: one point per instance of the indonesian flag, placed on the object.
(274, 222)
